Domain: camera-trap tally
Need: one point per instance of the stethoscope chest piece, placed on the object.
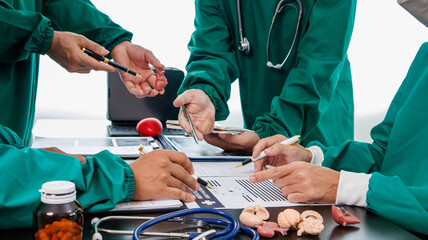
(244, 46)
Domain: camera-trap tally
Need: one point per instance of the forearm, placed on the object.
(102, 181)
(405, 205)
(81, 17)
(352, 156)
(24, 32)
(352, 187)
(212, 65)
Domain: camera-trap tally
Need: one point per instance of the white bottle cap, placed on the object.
(58, 192)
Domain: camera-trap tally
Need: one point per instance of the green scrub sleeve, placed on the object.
(352, 156)
(311, 84)
(364, 157)
(101, 182)
(81, 17)
(407, 206)
(212, 57)
(23, 33)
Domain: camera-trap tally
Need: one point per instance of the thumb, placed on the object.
(182, 99)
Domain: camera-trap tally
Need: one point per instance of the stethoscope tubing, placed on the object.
(220, 235)
(208, 221)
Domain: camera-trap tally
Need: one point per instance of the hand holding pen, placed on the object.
(204, 183)
(288, 141)
(65, 49)
(199, 108)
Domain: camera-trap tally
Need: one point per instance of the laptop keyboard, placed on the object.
(130, 130)
(122, 130)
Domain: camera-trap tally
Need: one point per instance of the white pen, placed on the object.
(288, 141)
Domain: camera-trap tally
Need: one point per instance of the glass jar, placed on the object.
(58, 215)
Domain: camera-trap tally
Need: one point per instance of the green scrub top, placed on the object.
(397, 158)
(311, 95)
(27, 28)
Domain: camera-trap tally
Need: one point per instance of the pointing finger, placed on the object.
(272, 173)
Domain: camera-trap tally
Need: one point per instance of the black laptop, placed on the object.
(124, 110)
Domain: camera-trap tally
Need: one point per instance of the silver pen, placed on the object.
(187, 116)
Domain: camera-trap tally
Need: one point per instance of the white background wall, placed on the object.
(385, 40)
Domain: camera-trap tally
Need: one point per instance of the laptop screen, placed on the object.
(125, 108)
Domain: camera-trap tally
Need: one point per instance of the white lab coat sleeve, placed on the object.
(317, 155)
(352, 189)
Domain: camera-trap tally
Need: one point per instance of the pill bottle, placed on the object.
(58, 215)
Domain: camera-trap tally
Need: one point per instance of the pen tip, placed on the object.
(138, 75)
(210, 186)
(239, 165)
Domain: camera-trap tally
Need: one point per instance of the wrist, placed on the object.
(119, 47)
(309, 155)
(317, 155)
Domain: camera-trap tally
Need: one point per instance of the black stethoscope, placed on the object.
(244, 44)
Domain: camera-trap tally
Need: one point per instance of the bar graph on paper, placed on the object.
(238, 192)
(232, 189)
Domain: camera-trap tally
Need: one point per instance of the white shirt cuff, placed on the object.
(352, 189)
(317, 155)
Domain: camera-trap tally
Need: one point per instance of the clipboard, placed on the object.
(199, 152)
(173, 124)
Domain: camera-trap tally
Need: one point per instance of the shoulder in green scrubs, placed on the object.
(397, 158)
(311, 95)
(27, 28)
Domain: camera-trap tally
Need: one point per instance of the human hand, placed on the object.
(163, 174)
(243, 142)
(138, 59)
(303, 182)
(66, 50)
(200, 109)
(57, 150)
(278, 154)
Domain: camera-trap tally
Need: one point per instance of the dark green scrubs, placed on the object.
(27, 28)
(398, 157)
(311, 95)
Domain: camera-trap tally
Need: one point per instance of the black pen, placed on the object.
(109, 62)
(203, 182)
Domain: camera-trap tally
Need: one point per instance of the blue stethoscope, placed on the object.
(232, 226)
(244, 44)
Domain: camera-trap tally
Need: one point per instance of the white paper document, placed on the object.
(219, 169)
(148, 205)
(232, 189)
